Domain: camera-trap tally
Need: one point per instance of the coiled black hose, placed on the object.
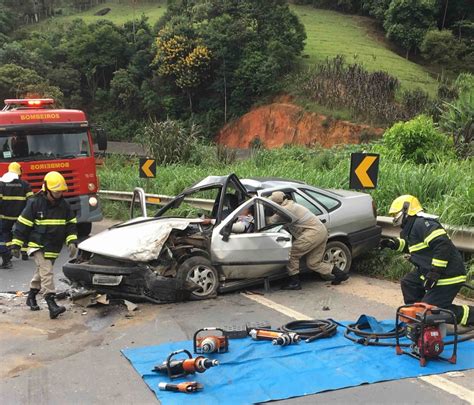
(312, 329)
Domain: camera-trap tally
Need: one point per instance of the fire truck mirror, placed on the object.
(101, 139)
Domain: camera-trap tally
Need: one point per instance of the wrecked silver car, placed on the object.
(184, 252)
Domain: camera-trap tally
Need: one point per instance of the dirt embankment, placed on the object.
(282, 123)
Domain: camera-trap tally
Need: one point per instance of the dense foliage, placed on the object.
(413, 24)
(367, 95)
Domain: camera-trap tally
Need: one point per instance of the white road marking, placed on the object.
(448, 386)
(435, 380)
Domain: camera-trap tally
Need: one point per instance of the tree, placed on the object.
(97, 51)
(250, 43)
(439, 47)
(406, 22)
(185, 60)
(17, 82)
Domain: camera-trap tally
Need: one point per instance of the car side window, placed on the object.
(299, 199)
(328, 202)
(272, 217)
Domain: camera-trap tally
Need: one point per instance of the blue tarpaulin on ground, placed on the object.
(256, 371)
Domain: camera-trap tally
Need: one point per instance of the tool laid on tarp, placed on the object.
(426, 328)
(368, 331)
(277, 337)
(210, 343)
(183, 367)
(313, 329)
(187, 387)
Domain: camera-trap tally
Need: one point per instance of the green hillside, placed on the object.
(331, 33)
(119, 13)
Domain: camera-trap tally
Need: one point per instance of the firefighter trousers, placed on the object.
(440, 296)
(43, 277)
(312, 245)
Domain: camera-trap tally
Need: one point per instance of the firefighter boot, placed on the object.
(293, 283)
(31, 299)
(7, 261)
(339, 275)
(54, 309)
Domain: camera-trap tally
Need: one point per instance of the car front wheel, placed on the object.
(338, 254)
(199, 270)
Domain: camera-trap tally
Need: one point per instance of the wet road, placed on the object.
(77, 359)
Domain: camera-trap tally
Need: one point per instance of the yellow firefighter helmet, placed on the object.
(407, 203)
(54, 181)
(14, 167)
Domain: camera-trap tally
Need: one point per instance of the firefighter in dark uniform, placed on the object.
(13, 195)
(45, 224)
(440, 271)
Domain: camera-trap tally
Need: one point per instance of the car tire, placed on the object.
(339, 255)
(199, 270)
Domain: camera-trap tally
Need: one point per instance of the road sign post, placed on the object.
(364, 170)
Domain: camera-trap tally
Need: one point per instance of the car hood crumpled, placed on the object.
(137, 241)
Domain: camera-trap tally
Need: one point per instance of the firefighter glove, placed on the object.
(15, 251)
(387, 243)
(72, 247)
(431, 279)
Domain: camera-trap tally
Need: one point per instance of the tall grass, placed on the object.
(445, 189)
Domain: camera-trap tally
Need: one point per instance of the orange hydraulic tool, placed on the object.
(277, 337)
(180, 368)
(211, 344)
(188, 387)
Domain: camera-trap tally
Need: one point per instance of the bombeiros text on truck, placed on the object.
(42, 138)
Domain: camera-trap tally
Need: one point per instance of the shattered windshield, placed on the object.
(193, 205)
(38, 144)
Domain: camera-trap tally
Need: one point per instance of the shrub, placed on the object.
(415, 102)
(169, 141)
(417, 140)
(439, 47)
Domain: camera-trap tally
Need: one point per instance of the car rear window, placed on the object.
(299, 199)
(327, 202)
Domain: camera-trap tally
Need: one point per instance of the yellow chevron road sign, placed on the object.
(364, 170)
(147, 168)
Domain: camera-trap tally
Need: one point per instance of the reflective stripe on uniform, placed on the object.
(434, 234)
(8, 218)
(51, 255)
(29, 194)
(465, 315)
(24, 221)
(47, 222)
(418, 246)
(71, 238)
(34, 245)
(426, 242)
(449, 281)
(401, 244)
(72, 221)
(13, 198)
(18, 242)
(439, 263)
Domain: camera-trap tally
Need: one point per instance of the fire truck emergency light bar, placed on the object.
(29, 102)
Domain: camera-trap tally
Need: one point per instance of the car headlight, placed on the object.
(91, 186)
(93, 201)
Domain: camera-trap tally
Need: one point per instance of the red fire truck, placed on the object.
(42, 138)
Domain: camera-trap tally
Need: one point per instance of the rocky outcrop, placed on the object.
(278, 124)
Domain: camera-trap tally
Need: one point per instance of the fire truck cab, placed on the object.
(42, 139)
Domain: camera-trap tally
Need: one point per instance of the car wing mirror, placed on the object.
(225, 232)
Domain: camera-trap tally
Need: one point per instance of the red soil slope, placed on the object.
(278, 124)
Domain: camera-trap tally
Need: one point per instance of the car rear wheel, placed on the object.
(338, 254)
(199, 270)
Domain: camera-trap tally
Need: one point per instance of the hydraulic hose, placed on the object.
(312, 329)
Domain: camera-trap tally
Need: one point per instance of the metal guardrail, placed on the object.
(463, 238)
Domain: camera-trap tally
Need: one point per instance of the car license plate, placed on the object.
(104, 279)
